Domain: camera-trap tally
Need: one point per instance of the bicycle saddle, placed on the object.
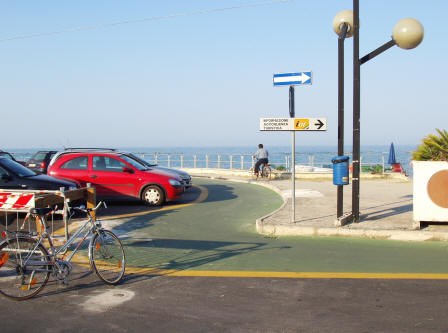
(40, 211)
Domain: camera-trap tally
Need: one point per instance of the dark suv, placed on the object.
(40, 161)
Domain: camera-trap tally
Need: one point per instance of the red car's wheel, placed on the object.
(153, 195)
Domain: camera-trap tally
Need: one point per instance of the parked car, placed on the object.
(10, 156)
(186, 178)
(14, 176)
(39, 161)
(114, 174)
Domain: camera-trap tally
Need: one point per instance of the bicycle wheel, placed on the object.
(24, 269)
(107, 257)
(266, 172)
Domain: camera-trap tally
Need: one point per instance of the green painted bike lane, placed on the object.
(218, 234)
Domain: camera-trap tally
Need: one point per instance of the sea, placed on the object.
(240, 157)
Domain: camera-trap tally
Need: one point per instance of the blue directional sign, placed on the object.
(292, 79)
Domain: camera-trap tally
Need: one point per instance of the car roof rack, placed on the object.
(87, 149)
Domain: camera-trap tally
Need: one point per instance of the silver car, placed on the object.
(186, 178)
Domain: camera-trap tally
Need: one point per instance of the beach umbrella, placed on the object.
(392, 159)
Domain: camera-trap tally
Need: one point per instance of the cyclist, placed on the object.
(262, 155)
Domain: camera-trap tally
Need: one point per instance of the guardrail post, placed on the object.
(219, 161)
(169, 161)
(91, 199)
(286, 162)
(242, 162)
(206, 161)
(231, 162)
(195, 159)
(182, 161)
(156, 158)
(65, 213)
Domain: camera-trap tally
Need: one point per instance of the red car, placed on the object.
(114, 174)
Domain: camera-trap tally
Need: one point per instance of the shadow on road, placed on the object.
(387, 212)
(162, 257)
(219, 192)
(180, 254)
(372, 213)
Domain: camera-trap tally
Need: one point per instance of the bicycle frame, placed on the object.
(55, 252)
(72, 239)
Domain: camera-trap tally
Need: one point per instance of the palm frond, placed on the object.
(433, 147)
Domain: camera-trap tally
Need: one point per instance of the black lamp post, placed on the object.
(343, 26)
(407, 34)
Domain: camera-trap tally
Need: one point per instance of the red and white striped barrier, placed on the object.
(18, 202)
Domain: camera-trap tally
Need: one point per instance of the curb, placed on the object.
(398, 235)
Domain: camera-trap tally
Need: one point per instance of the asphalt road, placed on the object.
(212, 304)
(199, 266)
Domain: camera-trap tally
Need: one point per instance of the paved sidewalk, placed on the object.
(386, 210)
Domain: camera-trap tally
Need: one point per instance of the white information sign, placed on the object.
(275, 124)
(293, 124)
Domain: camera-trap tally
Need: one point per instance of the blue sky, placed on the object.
(206, 80)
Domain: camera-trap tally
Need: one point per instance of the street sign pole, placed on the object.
(293, 154)
(291, 80)
(293, 158)
(356, 113)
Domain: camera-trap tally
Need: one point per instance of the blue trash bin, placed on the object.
(340, 170)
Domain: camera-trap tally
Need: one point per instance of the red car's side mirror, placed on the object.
(128, 170)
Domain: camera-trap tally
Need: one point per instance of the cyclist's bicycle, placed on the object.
(26, 264)
(264, 172)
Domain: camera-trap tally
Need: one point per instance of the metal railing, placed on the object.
(370, 161)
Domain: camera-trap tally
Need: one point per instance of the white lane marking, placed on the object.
(303, 193)
(106, 300)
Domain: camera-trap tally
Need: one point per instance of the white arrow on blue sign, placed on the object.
(292, 79)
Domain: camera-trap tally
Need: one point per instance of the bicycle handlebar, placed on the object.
(83, 208)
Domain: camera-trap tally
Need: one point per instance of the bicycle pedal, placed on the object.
(63, 283)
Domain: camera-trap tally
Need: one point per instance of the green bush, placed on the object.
(378, 168)
(280, 168)
(366, 168)
(433, 148)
